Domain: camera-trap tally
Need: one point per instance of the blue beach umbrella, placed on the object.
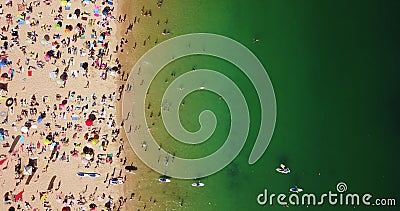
(59, 81)
(40, 119)
(52, 75)
(21, 139)
(20, 21)
(106, 10)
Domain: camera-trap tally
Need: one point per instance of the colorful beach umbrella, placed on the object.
(24, 129)
(52, 75)
(46, 142)
(94, 141)
(106, 10)
(20, 21)
(40, 119)
(85, 161)
(28, 170)
(64, 3)
(43, 197)
(18, 197)
(21, 139)
(89, 122)
(59, 82)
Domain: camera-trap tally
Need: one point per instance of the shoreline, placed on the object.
(135, 189)
(144, 34)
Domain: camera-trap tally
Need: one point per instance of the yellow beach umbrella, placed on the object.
(46, 142)
(64, 3)
(95, 141)
(44, 196)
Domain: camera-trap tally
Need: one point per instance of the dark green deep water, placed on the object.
(335, 69)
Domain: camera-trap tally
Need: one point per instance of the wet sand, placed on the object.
(144, 191)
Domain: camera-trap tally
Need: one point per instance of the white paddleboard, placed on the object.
(283, 171)
(197, 184)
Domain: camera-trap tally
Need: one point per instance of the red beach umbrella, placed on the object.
(89, 122)
(18, 197)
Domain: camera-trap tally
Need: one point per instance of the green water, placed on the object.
(334, 67)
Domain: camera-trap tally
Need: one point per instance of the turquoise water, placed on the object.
(334, 67)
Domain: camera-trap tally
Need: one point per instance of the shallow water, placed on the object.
(334, 67)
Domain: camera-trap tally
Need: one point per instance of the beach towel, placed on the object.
(96, 11)
(21, 7)
(2, 161)
(4, 86)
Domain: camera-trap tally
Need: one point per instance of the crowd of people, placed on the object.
(61, 81)
(58, 104)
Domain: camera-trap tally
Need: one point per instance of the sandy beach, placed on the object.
(64, 65)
